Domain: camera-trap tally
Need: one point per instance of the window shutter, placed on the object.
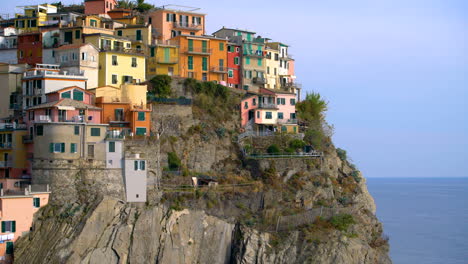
(38, 202)
(51, 147)
(142, 165)
(205, 64)
(13, 226)
(3, 226)
(136, 164)
(63, 147)
(72, 148)
(111, 146)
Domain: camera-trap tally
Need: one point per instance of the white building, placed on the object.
(135, 175)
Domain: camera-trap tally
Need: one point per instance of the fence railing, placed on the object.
(179, 101)
(198, 50)
(5, 145)
(187, 26)
(312, 154)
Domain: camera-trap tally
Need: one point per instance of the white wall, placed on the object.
(135, 181)
(8, 56)
(114, 159)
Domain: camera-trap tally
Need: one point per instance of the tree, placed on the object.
(313, 108)
(161, 85)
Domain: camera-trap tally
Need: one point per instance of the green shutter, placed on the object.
(77, 130)
(190, 62)
(72, 147)
(141, 116)
(247, 60)
(136, 164)
(283, 129)
(152, 51)
(77, 95)
(9, 247)
(95, 132)
(119, 33)
(204, 46)
(190, 44)
(221, 46)
(259, 62)
(140, 131)
(51, 147)
(13, 226)
(66, 94)
(38, 202)
(138, 35)
(142, 165)
(111, 146)
(167, 53)
(3, 226)
(63, 147)
(205, 64)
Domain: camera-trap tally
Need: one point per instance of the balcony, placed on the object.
(43, 118)
(160, 42)
(27, 139)
(11, 126)
(16, 106)
(199, 51)
(188, 26)
(267, 105)
(287, 121)
(292, 85)
(5, 145)
(219, 69)
(255, 54)
(122, 50)
(171, 60)
(258, 80)
(6, 164)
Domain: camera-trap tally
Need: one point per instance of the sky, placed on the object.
(395, 73)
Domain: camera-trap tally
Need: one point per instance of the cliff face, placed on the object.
(288, 213)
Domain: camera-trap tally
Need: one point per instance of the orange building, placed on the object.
(17, 209)
(174, 20)
(124, 108)
(203, 58)
(99, 6)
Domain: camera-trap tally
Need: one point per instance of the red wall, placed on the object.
(99, 6)
(31, 46)
(235, 80)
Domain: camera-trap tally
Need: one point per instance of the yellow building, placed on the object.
(163, 59)
(272, 68)
(33, 17)
(118, 62)
(12, 150)
(140, 36)
(73, 33)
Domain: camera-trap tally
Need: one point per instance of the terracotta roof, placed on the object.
(69, 88)
(65, 102)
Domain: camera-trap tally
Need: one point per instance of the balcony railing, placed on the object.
(122, 49)
(258, 80)
(219, 69)
(252, 53)
(287, 121)
(171, 60)
(198, 50)
(43, 118)
(267, 105)
(12, 126)
(292, 85)
(165, 42)
(5, 145)
(16, 106)
(189, 26)
(5, 164)
(28, 139)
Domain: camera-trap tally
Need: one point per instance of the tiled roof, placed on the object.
(65, 102)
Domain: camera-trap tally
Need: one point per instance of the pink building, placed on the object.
(94, 7)
(17, 210)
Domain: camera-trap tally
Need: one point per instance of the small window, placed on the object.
(77, 34)
(140, 131)
(39, 130)
(246, 105)
(36, 202)
(114, 78)
(190, 62)
(221, 46)
(278, 101)
(283, 101)
(9, 247)
(258, 114)
(139, 165)
(119, 33)
(77, 130)
(236, 60)
(114, 60)
(230, 73)
(73, 148)
(111, 146)
(57, 147)
(95, 132)
(134, 62)
(268, 115)
(254, 101)
(293, 101)
(259, 62)
(293, 115)
(8, 227)
(247, 60)
(141, 116)
(280, 115)
(66, 94)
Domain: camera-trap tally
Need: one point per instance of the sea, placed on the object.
(425, 218)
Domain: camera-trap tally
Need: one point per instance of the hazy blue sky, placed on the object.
(395, 73)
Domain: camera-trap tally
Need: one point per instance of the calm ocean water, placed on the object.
(426, 219)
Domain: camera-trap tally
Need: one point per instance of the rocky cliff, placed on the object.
(294, 210)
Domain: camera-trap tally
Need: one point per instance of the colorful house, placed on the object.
(30, 48)
(16, 211)
(272, 68)
(99, 6)
(234, 65)
(46, 78)
(139, 35)
(203, 58)
(125, 109)
(33, 16)
(163, 59)
(13, 152)
(80, 59)
(10, 88)
(73, 33)
(118, 62)
(8, 45)
(171, 20)
(125, 16)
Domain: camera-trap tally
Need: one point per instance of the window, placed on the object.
(140, 131)
(230, 48)
(280, 115)
(204, 76)
(134, 62)
(64, 58)
(258, 114)
(284, 129)
(111, 146)
(78, 95)
(259, 62)
(9, 247)
(275, 71)
(247, 60)
(293, 115)
(8, 226)
(221, 46)
(77, 130)
(293, 101)
(190, 44)
(77, 34)
(141, 116)
(95, 132)
(230, 74)
(39, 130)
(57, 147)
(114, 60)
(93, 23)
(236, 60)
(268, 70)
(84, 56)
(246, 105)
(204, 63)
(138, 35)
(139, 165)
(152, 52)
(119, 33)
(190, 62)
(254, 101)
(127, 79)
(114, 78)
(268, 115)
(31, 115)
(73, 148)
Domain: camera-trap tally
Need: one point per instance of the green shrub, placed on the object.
(220, 131)
(342, 221)
(355, 175)
(297, 144)
(314, 137)
(312, 108)
(161, 85)
(289, 150)
(341, 154)
(273, 149)
(173, 161)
